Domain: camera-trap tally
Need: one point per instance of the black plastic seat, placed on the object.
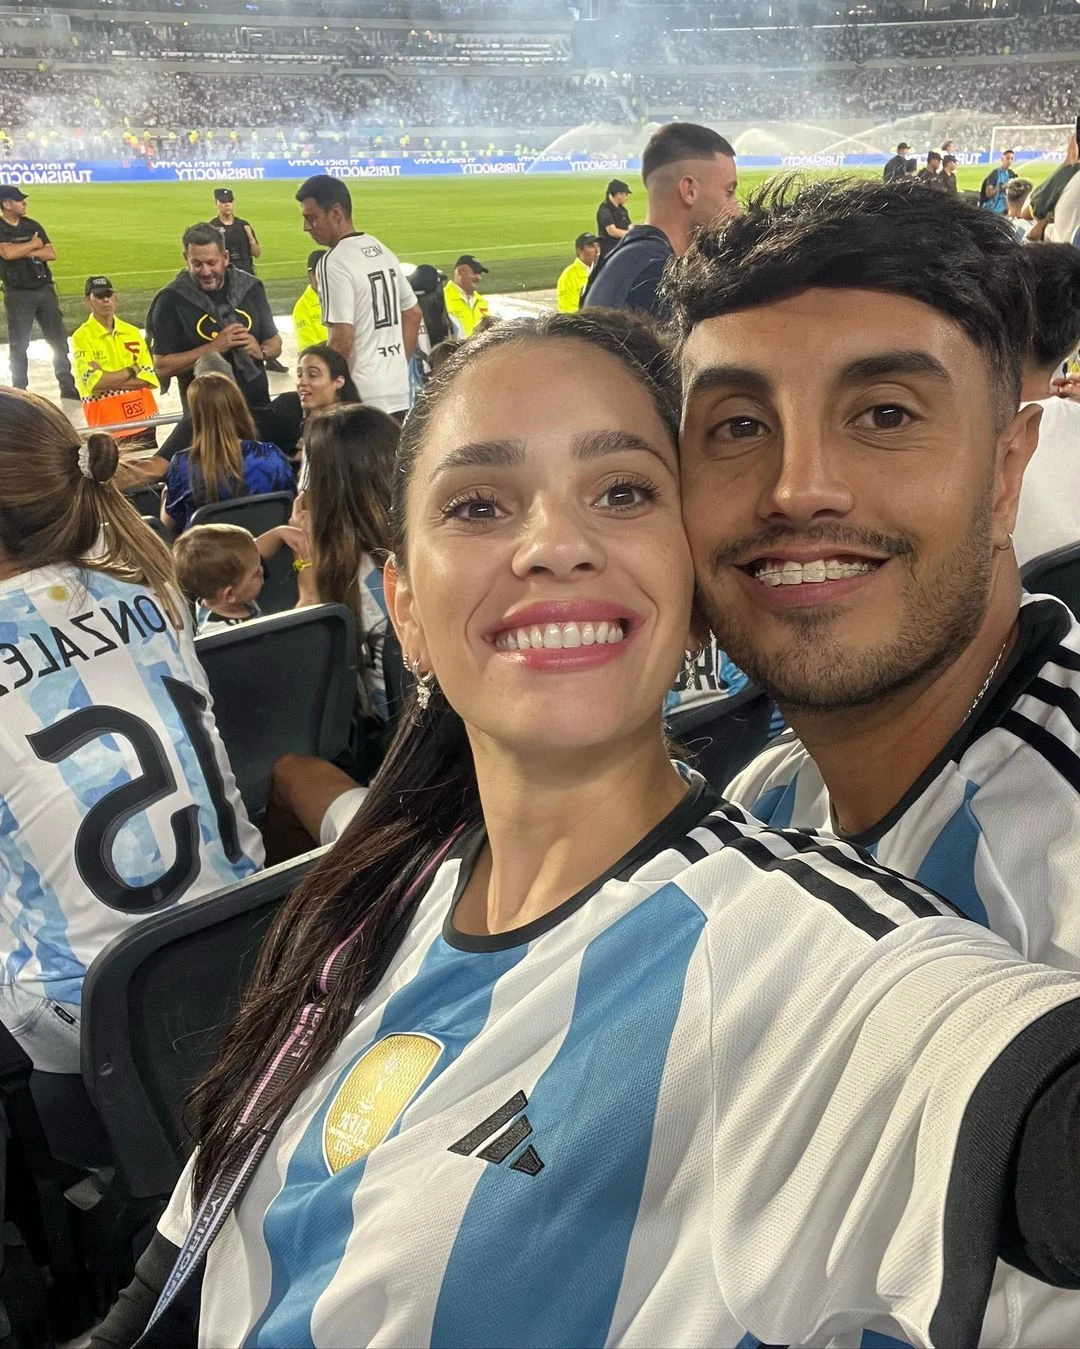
(1056, 573)
(259, 514)
(282, 684)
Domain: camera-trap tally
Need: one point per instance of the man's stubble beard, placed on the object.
(816, 673)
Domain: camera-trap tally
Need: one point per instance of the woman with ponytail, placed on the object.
(555, 1047)
(116, 795)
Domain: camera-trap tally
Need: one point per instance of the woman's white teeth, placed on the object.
(560, 636)
(776, 573)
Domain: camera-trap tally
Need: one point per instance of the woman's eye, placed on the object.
(623, 495)
(884, 417)
(481, 509)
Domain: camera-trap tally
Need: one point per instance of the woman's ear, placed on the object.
(402, 611)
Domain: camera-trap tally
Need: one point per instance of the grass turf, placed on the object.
(522, 227)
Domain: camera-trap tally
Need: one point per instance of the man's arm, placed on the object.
(340, 338)
(116, 381)
(256, 247)
(410, 329)
(12, 252)
(176, 362)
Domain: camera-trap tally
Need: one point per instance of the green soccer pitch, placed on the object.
(522, 227)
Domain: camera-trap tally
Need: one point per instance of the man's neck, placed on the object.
(108, 323)
(672, 225)
(11, 219)
(1035, 386)
(870, 756)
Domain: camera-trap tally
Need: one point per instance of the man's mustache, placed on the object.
(838, 537)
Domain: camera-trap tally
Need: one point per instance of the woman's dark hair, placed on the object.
(423, 795)
(897, 238)
(349, 449)
(59, 502)
(339, 369)
(1055, 298)
(436, 319)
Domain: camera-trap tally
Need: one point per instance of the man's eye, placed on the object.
(739, 428)
(884, 417)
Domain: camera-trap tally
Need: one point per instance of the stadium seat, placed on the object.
(159, 527)
(146, 499)
(258, 514)
(722, 735)
(155, 1004)
(1056, 573)
(283, 684)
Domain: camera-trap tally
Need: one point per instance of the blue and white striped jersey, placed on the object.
(116, 795)
(374, 621)
(718, 1094)
(994, 826)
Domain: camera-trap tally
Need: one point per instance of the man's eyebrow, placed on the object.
(482, 454)
(886, 363)
(595, 444)
(740, 377)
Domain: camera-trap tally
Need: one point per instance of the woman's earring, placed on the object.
(691, 673)
(425, 684)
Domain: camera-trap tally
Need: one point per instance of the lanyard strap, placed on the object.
(232, 1180)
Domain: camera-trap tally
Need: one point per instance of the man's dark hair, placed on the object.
(325, 192)
(1054, 271)
(682, 140)
(201, 235)
(949, 159)
(933, 155)
(897, 238)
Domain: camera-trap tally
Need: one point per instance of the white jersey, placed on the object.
(731, 1089)
(994, 826)
(1049, 513)
(116, 795)
(359, 281)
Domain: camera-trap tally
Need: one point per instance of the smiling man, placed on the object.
(852, 456)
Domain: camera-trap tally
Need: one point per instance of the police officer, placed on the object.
(612, 217)
(240, 242)
(29, 293)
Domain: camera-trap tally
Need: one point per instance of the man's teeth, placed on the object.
(776, 573)
(560, 636)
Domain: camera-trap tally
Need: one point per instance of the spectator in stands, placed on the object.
(689, 174)
(896, 167)
(238, 235)
(932, 176)
(322, 379)
(1017, 193)
(29, 294)
(225, 459)
(783, 1047)
(428, 285)
(1056, 202)
(368, 306)
(992, 194)
(116, 792)
(308, 327)
(211, 307)
(1049, 513)
(612, 217)
(948, 175)
(113, 369)
(574, 278)
(464, 303)
(220, 568)
(340, 532)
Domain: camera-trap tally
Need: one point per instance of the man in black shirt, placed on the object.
(612, 217)
(29, 293)
(211, 306)
(895, 169)
(689, 174)
(240, 241)
(933, 176)
(948, 175)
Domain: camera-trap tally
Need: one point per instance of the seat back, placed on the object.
(1056, 573)
(721, 736)
(161, 529)
(258, 514)
(283, 684)
(146, 498)
(155, 1005)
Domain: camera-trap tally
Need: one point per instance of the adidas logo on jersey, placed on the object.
(503, 1145)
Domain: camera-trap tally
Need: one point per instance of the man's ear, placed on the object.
(699, 634)
(688, 189)
(1015, 446)
(403, 615)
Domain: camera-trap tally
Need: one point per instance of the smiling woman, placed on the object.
(554, 1047)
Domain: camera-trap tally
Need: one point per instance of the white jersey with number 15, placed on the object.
(360, 282)
(116, 795)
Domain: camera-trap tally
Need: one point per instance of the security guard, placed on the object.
(573, 279)
(113, 368)
(240, 242)
(308, 326)
(29, 293)
(464, 303)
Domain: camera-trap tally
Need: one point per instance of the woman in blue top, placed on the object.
(225, 460)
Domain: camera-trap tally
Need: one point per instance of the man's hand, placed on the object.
(231, 336)
(35, 241)
(1066, 386)
(252, 347)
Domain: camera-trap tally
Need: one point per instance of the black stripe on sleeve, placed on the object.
(1069, 660)
(848, 903)
(1060, 696)
(976, 1227)
(1056, 754)
(889, 882)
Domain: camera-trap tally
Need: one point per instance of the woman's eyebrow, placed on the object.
(595, 444)
(482, 454)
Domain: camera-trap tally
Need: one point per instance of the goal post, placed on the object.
(1034, 141)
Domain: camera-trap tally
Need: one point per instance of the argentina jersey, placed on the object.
(659, 1115)
(374, 622)
(116, 796)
